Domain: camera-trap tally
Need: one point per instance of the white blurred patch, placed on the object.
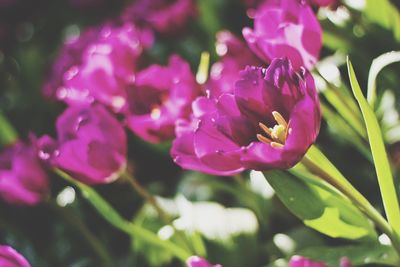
(384, 239)
(285, 243)
(339, 17)
(213, 220)
(166, 232)
(356, 4)
(260, 185)
(66, 196)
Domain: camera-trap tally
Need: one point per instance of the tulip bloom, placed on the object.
(269, 122)
(286, 28)
(299, 261)
(195, 261)
(23, 179)
(159, 97)
(234, 56)
(99, 66)
(11, 258)
(91, 145)
(164, 16)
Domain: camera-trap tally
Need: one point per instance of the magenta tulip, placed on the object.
(269, 122)
(23, 179)
(91, 145)
(195, 261)
(99, 66)
(9, 257)
(287, 28)
(164, 16)
(160, 96)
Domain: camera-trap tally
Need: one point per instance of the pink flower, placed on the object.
(164, 16)
(91, 145)
(23, 179)
(286, 28)
(234, 57)
(195, 261)
(11, 258)
(160, 96)
(299, 261)
(99, 66)
(269, 122)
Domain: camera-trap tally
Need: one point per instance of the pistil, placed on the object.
(277, 135)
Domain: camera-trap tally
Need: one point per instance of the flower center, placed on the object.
(277, 135)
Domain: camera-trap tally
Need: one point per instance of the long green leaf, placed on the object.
(382, 166)
(385, 14)
(320, 208)
(377, 65)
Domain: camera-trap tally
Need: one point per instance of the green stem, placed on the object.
(354, 195)
(69, 216)
(153, 202)
(113, 217)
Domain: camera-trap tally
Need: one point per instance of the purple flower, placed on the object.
(23, 179)
(91, 145)
(100, 65)
(286, 28)
(234, 56)
(270, 121)
(164, 16)
(11, 258)
(195, 261)
(299, 261)
(160, 96)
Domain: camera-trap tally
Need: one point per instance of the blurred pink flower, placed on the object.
(160, 96)
(164, 16)
(195, 261)
(9, 257)
(98, 66)
(23, 179)
(91, 145)
(286, 28)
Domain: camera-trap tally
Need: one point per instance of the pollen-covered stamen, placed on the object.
(277, 135)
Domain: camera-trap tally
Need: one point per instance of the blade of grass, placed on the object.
(382, 166)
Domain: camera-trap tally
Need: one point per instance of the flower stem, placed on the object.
(147, 196)
(355, 196)
(153, 202)
(113, 217)
(69, 216)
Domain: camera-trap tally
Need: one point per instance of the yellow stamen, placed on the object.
(277, 135)
(279, 119)
(265, 128)
(263, 139)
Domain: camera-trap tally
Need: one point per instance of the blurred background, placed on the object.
(66, 231)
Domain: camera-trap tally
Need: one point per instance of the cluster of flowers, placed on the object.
(245, 116)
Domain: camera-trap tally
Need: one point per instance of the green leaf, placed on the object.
(8, 135)
(377, 65)
(382, 166)
(385, 14)
(358, 255)
(320, 207)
